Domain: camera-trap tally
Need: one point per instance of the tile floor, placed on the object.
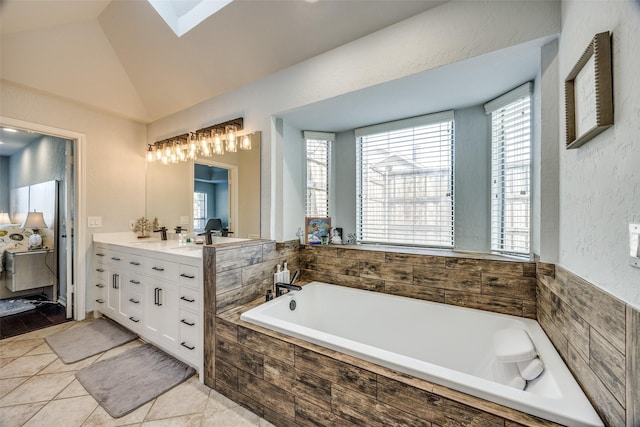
(37, 389)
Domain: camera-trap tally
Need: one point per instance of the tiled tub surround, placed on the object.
(598, 336)
(290, 382)
(475, 280)
(406, 335)
(490, 284)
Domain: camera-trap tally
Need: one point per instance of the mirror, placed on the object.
(170, 191)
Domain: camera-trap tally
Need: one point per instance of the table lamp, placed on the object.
(34, 220)
(4, 218)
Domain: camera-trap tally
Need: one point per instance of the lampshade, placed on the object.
(34, 220)
(4, 218)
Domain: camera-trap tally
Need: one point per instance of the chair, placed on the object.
(215, 225)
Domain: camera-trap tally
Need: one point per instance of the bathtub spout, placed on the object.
(280, 287)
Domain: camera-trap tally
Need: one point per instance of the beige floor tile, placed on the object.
(265, 423)
(100, 417)
(120, 349)
(74, 389)
(26, 365)
(190, 397)
(19, 348)
(193, 420)
(233, 417)
(6, 361)
(38, 389)
(15, 416)
(41, 349)
(59, 366)
(8, 384)
(218, 403)
(70, 412)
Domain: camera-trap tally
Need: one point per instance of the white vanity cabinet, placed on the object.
(156, 294)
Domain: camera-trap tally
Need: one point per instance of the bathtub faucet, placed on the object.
(280, 287)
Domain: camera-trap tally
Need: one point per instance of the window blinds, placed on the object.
(318, 160)
(511, 171)
(405, 181)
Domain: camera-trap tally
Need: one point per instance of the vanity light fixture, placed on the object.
(205, 142)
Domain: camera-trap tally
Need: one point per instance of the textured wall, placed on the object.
(599, 182)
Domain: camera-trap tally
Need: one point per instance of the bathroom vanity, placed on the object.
(154, 288)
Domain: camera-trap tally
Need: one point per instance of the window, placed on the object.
(511, 171)
(199, 210)
(318, 154)
(405, 181)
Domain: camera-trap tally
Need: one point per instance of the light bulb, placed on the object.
(245, 144)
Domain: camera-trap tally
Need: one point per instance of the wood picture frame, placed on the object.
(315, 228)
(588, 91)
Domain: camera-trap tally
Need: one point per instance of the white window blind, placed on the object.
(318, 163)
(199, 210)
(405, 181)
(511, 171)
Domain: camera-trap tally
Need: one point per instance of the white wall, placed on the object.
(600, 181)
(449, 33)
(115, 165)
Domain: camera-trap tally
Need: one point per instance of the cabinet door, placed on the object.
(113, 292)
(161, 310)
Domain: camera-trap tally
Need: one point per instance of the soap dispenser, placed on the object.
(277, 277)
(285, 274)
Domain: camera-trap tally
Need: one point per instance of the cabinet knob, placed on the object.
(135, 301)
(99, 285)
(157, 268)
(187, 322)
(187, 299)
(133, 319)
(100, 301)
(188, 276)
(134, 263)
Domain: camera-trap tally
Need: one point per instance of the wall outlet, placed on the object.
(95, 221)
(132, 224)
(184, 220)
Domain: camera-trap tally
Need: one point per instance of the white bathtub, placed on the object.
(443, 344)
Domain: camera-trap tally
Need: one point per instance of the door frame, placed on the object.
(233, 189)
(79, 240)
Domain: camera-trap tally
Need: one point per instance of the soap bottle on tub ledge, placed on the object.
(286, 275)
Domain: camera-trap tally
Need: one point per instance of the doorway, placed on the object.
(70, 244)
(214, 195)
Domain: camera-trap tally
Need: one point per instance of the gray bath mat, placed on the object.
(14, 306)
(127, 381)
(83, 341)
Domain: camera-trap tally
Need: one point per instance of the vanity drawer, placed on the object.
(136, 263)
(133, 306)
(189, 275)
(188, 298)
(189, 326)
(135, 283)
(112, 257)
(162, 269)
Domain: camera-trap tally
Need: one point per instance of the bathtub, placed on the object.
(444, 344)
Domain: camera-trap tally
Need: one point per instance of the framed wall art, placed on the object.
(317, 230)
(588, 91)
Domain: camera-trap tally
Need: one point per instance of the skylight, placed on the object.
(183, 15)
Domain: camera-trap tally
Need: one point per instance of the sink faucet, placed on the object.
(280, 287)
(163, 232)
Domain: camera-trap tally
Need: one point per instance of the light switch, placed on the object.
(95, 221)
(634, 245)
(184, 220)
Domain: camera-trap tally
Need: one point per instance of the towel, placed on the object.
(508, 374)
(530, 369)
(513, 345)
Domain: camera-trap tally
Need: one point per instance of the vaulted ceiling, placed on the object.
(120, 56)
